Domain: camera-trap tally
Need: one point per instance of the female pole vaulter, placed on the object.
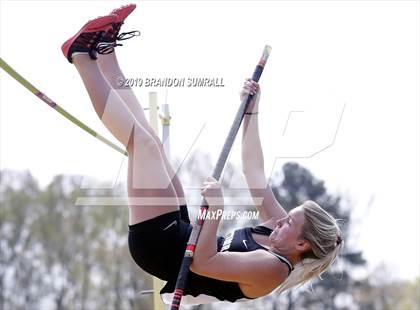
(285, 250)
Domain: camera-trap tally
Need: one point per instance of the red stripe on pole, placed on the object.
(47, 100)
(176, 301)
(191, 247)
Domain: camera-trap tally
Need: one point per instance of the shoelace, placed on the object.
(128, 35)
(105, 48)
(88, 39)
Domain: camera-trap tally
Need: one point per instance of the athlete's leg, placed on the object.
(112, 71)
(149, 186)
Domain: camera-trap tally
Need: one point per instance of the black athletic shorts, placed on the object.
(158, 245)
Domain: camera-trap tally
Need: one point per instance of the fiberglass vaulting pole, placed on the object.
(192, 242)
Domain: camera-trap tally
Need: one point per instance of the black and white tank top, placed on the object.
(201, 289)
(241, 240)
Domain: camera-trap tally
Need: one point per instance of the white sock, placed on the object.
(78, 53)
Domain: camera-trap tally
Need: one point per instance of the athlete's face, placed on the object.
(286, 237)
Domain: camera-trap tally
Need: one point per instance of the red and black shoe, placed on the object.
(89, 36)
(108, 40)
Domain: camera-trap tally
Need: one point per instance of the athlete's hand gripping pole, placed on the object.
(189, 253)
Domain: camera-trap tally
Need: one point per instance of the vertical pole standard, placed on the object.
(165, 119)
(192, 242)
(165, 122)
(153, 112)
(153, 121)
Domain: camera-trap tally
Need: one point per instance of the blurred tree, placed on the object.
(55, 254)
(380, 290)
(292, 187)
(409, 295)
(18, 262)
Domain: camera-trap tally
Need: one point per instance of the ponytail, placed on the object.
(325, 237)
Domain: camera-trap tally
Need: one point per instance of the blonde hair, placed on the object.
(325, 237)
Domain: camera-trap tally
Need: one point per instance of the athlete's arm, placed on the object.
(253, 160)
(257, 270)
(207, 241)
